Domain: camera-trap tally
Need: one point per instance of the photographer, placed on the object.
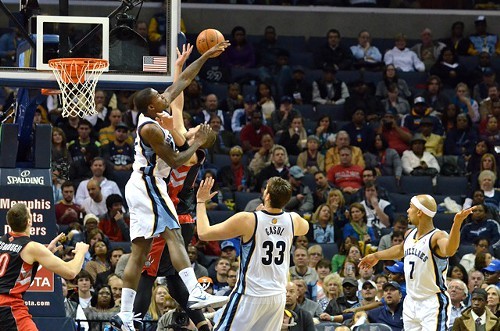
(175, 320)
(397, 137)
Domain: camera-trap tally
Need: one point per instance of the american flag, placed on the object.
(154, 63)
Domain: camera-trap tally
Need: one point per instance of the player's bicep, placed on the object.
(154, 136)
(300, 225)
(47, 259)
(441, 244)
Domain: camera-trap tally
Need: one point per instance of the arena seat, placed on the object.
(388, 182)
(218, 216)
(304, 59)
(329, 250)
(400, 201)
(242, 198)
(336, 112)
(292, 43)
(219, 89)
(451, 185)
(464, 249)
(416, 184)
(120, 244)
(307, 111)
(444, 221)
(373, 327)
(324, 326)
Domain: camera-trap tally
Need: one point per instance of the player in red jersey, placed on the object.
(19, 261)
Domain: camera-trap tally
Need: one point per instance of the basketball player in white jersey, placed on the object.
(425, 251)
(259, 296)
(152, 212)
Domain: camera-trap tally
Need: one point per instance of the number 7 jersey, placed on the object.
(265, 258)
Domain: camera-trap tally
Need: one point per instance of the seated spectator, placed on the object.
(396, 135)
(477, 317)
(84, 142)
(95, 203)
(109, 277)
(400, 226)
(212, 108)
(435, 97)
(394, 103)
(278, 167)
(61, 158)
(349, 299)
(362, 98)
(493, 299)
(311, 160)
(312, 307)
(234, 176)
(448, 69)
(433, 143)
(418, 162)
(323, 269)
(332, 287)
(390, 76)
(491, 132)
(102, 308)
(69, 125)
(481, 40)
(428, 50)
(114, 223)
(396, 274)
(481, 226)
(81, 169)
(346, 175)
(421, 110)
(224, 140)
(67, 211)
(295, 138)
(461, 139)
(98, 167)
(332, 158)
(365, 55)
(299, 88)
(465, 103)
(119, 151)
(379, 214)
(481, 245)
(322, 229)
(475, 161)
(100, 261)
(489, 105)
(486, 180)
(242, 116)
(325, 132)
(265, 100)
(252, 132)
(481, 90)
(281, 118)
(402, 58)
(233, 101)
(391, 313)
(488, 162)
(301, 269)
(457, 40)
(333, 53)
(323, 188)
(193, 102)
(262, 157)
(329, 90)
(357, 226)
(337, 205)
(240, 53)
(159, 304)
(344, 248)
(304, 319)
(383, 158)
(199, 270)
(477, 75)
(107, 134)
(458, 294)
(301, 200)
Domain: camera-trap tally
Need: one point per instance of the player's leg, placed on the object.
(411, 319)
(436, 313)
(14, 315)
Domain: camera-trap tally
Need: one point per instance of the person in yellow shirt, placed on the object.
(433, 143)
(107, 134)
(332, 155)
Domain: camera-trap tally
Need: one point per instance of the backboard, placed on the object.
(97, 29)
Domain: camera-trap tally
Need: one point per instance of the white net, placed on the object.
(77, 79)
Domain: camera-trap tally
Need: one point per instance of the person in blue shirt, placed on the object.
(492, 273)
(397, 274)
(391, 313)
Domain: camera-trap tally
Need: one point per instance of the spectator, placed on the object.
(109, 277)
(69, 125)
(222, 266)
(361, 98)
(435, 97)
(402, 58)
(465, 103)
(299, 87)
(458, 293)
(477, 317)
(491, 132)
(482, 41)
(325, 132)
(61, 158)
(251, 134)
(489, 105)
(365, 55)
(482, 261)
(397, 274)
(234, 176)
(333, 53)
(492, 273)
(310, 160)
(98, 167)
(332, 158)
(240, 54)
(475, 161)
(323, 188)
(95, 203)
(349, 299)
(158, 31)
(322, 229)
(212, 108)
(262, 157)
(384, 158)
(457, 271)
(379, 214)
(391, 313)
(102, 308)
(329, 90)
(433, 143)
(420, 110)
(301, 200)
(357, 226)
(278, 166)
(493, 299)
(481, 227)
(242, 116)
(234, 99)
(119, 151)
(344, 248)
(305, 303)
(84, 143)
(332, 287)
(100, 262)
(8, 44)
(483, 72)
(107, 134)
(193, 102)
(67, 211)
(347, 176)
(394, 103)
(323, 269)
(199, 270)
(265, 100)
(448, 69)
(418, 162)
(114, 223)
(224, 139)
(390, 76)
(158, 305)
(481, 245)
(476, 279)
(360, 133)
(295, 138)
(301, 269)
(428, 50)
(282, 118)
(397, 136)
(141, 28)
(461, 139)
(304, 319)
(100, 119)
(400, 226)
(457, 41)
(486, 180)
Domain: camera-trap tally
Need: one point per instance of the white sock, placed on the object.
(188, 277)
(128, 297)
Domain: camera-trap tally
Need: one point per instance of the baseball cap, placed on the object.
(350, 281)
(393, 284)
(313, 137)
(299, 69)
(227, 244)
(396, 268)
(250, 99)
(419, 100)
(205, 280)
(480, 19)
(121, 125)
(494, 266)
(371, 282)
(417, 137)
(296, 172)
(286, 99)
(90, 217)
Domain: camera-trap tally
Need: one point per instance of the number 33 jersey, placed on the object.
(265, 258)
(425, 271)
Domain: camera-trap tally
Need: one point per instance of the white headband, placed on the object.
(421, 207)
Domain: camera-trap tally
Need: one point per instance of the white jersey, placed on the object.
(265, 258)
(425, 272)
(146, 161)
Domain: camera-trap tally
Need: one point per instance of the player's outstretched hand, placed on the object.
(81, 247)
(203, 133)
(368, 261)
(53, 247)
(204, 194)
(184, 55)
(165, 120)
(462, 215)
(217, 49)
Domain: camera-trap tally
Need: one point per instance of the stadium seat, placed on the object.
(383, 44)
(292, 43)
(221, 161)
(469, 62)
(451, 185)
(314, 43)
(307, 111)
(373, 327)
(219, 89)
(389, 183)
(248, 89)
(348, 76)
(416, 184)
(304, 59)
(464, 249)
(242, 198)
(329, 250)
(292, 159)
(309, 181)
(325, 326)
(401, 202)
(414, 78)
(120, 244)
(444, 221)
(218, 216)
(336, 112)
(312, 75)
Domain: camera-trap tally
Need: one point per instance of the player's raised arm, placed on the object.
(235, 226)
(177, 104)
(300, 225)
(448, 245)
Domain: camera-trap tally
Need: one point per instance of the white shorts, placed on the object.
(151, 210)
(244, 312)
(432, 314)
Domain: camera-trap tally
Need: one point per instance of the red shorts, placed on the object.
(14, 315)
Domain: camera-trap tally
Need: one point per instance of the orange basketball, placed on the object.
(207, 39)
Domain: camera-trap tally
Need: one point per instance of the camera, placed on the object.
(179, 321)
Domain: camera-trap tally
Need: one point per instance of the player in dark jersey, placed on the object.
(19, 261)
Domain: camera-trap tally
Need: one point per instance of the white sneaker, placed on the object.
(123, 321)
(199, 299)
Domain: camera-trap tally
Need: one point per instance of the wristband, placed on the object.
(200, 201)
(183, 147)
(332, 318)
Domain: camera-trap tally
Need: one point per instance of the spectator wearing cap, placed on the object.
(481, 40)
(395, 103)
(346, 175)
(478, 317)
(365, 55)
(362, 98)
(311, 160)
(251, 134)
(492, 273)
(294, 139)
(396, 135)
(397, 275)
(368, 292)
(360, 133)
(242, 116)
(329, 90)
(428, 50)
(465, 103)
(115, 224)
(282, 118)
(119, 151)
(333, 53)
(403, 58)
(350, 298)
(433, 143)
(391, 313)
(108, 133)
(302, 199)
(278, 167)
(299, 87)
(230, 249)
(417, 161)
(235, 176)
(342, 139)
(420, 110)
(448, 68)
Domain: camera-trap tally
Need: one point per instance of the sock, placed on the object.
(188, 278)
(128, 297)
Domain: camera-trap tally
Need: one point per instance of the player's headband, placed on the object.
(421, 207)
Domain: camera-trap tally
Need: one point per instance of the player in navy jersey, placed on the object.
(425, 250)
(19, 261)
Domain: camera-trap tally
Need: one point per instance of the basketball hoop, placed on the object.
(77, 79)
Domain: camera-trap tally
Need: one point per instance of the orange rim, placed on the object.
(75, 67)
(50, 91)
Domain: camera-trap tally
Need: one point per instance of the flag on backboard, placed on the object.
(154, 63)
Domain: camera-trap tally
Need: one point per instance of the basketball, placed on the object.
(210, 141)
(207, 39)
